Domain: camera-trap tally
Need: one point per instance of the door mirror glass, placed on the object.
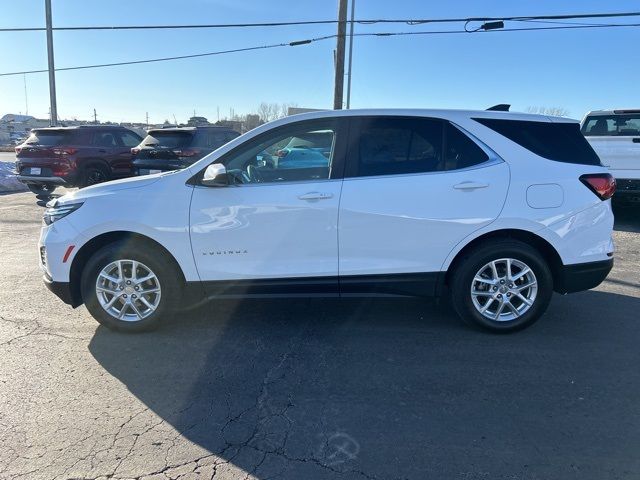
(215, 176)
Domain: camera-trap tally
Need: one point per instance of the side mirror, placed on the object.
(215, 176)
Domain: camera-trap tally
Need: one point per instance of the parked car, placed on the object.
(498, 209)
(74, 156)
(615, 136)
(166, 149)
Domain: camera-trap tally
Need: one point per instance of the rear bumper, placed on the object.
(63, 291)
(40, 180)
(627, 188)
(582, 276)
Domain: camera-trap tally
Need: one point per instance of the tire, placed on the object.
(41, 188)
(92, 175)
(97, 289)
(516, 313)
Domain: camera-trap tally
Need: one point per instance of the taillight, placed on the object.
(282, 153)
(187, 152)
(135, 151)
(18, 149)
(602, 184)
(64, 151)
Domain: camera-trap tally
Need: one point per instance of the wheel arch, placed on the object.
(542, 245)
(85, 252)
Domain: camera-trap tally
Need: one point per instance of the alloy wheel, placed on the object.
(504, 289)
(128, 290)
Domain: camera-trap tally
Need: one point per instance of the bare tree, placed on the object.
(273, 111)
(552, 111)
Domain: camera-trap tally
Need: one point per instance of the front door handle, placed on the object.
(470, 185)
(315, 196)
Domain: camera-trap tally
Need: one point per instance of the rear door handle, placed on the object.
(470, 185)
(315, 196)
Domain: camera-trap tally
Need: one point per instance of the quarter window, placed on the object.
(130, 140)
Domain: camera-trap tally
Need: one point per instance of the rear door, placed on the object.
(413, 189)
(616, 140)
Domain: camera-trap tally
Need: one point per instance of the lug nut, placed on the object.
(136, 288)
(495, 288)
(499, 296)
(124, 296)
(133, 296)
(508, 294)
(128, 282)
(121, 287)
(502, 282)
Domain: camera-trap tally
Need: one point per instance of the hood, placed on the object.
(111, 187)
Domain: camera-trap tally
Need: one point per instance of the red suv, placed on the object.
(74, 156)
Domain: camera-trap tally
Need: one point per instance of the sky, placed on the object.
(577, 70)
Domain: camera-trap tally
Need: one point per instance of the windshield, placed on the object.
(167, 139)
(612, 125)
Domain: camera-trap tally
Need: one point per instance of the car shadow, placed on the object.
(627, 217)
(392, 388)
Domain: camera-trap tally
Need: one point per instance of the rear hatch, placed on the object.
(41, 143)
(616, 139)
(164, 145)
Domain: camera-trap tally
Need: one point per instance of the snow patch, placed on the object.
(8, 180)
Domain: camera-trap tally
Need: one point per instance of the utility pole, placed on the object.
(353, 10)
(26, 98)
(339, 70)
(52, 72)
(147, 119)
(95, 117)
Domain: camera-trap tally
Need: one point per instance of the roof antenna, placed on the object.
(501, 107)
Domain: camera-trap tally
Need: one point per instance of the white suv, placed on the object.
(499, 209)
(615, 136)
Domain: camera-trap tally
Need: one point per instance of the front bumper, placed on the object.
(582, 276)
(63, 291)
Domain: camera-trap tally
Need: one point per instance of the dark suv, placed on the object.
(175, 148)
(74, 156)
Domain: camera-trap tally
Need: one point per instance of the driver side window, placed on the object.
(297, 153)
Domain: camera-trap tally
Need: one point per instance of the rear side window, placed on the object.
(397, 146)
(167, 139)
(394, 146)
(612, 125)
(212, 139)
(562, 142)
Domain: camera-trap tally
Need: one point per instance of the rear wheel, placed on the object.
(503, 286)
(130, 289)
(92, 175)
(41, 188)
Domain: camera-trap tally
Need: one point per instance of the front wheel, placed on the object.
(130, 289)
(502, 286)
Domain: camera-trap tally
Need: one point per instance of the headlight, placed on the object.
(55, 212)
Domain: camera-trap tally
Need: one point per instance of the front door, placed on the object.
(274, 228)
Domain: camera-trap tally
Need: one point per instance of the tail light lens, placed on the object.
(135, 151)
(18, 149)
(187, 152)
(64, 151)
(602, 184)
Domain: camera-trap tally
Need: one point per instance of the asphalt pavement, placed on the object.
(317, 389)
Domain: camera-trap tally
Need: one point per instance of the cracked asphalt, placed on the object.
(317, 389)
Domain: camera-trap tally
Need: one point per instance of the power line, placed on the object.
(317, 39)
(330, 22)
